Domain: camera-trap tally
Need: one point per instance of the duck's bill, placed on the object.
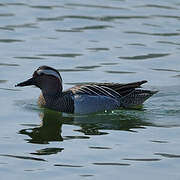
(29, 82)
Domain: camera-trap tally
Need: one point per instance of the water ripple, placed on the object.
(3, 81)
(108, 64)
(9, 89)
(112, 164)
(75, 137)
(61, 18)
(168, 42)
(94, 6)
(86, 175)
(6, 14)
(158, 141)
(7, 28)
(88, 67)
(168, 155)
(8, 64)
(95, 27)
(68, 30)
(157, 6)
(72, 70)
(98, 49)
(10, 40)
(99, 147)
(26, 25)
(142, 159)
(28, 57)
(147, 56)
(152, 34)
(177, 76)
(15, 4)
(81, 29)
(68, 165)
(119, 72)
(136, 44)
(48, 151)
(169, 70)
(152, 25)
(22, 157)
(66, 55)
(43, 7)
(100, 18)
(168, 16)
(111, 18)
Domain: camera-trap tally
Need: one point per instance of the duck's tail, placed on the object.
(136, 98)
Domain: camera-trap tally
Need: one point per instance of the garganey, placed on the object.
(85, 98)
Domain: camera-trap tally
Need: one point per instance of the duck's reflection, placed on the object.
(97, 124)
(49, 129)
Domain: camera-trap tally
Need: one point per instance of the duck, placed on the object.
(85, 98)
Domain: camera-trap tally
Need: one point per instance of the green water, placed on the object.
(90, 41)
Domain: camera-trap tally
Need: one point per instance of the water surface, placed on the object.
(90, 41)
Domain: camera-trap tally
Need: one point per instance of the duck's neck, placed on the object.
(50, 98)
(50, 94)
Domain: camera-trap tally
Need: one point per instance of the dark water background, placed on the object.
(87, 41)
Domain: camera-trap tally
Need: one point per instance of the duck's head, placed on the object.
(46, 78)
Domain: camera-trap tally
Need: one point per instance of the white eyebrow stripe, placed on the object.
(49, 72)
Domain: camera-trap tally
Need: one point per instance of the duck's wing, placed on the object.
(114, 90)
